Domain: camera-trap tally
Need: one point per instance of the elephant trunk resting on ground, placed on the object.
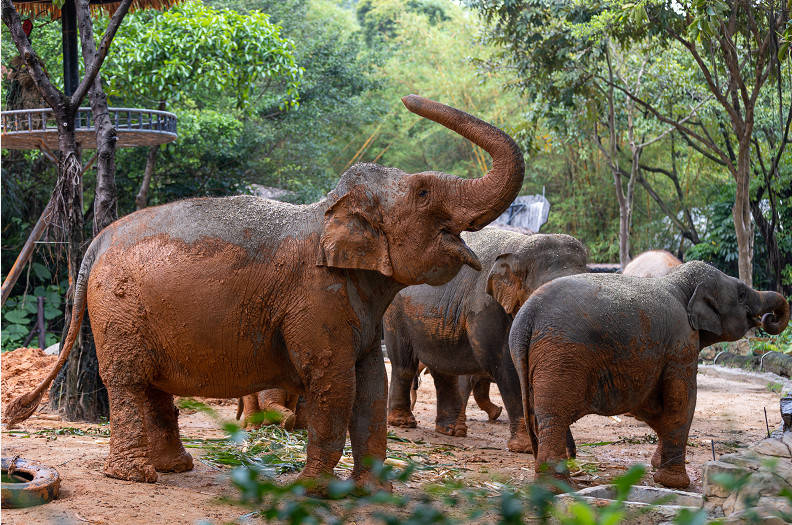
(224, 297)
(610, 344)
(462, 327)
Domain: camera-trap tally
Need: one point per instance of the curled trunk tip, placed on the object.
(776, 313)
(480, 200)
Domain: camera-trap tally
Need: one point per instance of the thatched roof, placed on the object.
(36, 8)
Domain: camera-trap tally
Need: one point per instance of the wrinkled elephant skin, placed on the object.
(611, 344)
(228, 296)
(461, 328)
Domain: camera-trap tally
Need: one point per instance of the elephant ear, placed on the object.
(352, 235)
(504, 285)
(702, 310)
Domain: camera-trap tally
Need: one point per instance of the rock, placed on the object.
(773, 447)
(714, 469)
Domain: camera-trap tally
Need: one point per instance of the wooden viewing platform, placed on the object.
(30, 128)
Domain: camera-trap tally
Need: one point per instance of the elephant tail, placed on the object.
(22, 407)
(240, 408)
(519, 345)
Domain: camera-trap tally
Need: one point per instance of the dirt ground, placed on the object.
(728, 412)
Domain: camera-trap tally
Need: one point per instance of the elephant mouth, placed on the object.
(769, 317)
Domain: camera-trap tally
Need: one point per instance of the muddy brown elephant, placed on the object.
(221, 297)
(611, 344)
(462, 327)
(280, 407)
(653, 263)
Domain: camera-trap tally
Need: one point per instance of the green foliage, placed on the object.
(20, 312)
(773, 343)
(194, 49)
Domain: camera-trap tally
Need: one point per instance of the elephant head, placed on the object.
(540, 258)
(407, 226)
(724, 308)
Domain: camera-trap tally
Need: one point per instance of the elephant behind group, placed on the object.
(461, 328)
(221, 297)
(652, 263)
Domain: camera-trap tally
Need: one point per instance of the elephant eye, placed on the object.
(741, 295)
(423, 193)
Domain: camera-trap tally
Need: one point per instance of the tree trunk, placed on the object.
(741, 214)
(141, 199)
(77, 391)
(106, 196)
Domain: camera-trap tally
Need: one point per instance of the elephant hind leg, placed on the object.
(165, 449)
(129, 455)
(481, 390)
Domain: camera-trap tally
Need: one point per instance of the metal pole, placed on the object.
(70, 56)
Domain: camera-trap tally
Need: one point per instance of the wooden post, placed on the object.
(42, 327)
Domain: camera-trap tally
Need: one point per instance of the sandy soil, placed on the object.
(728, 412)
(22, 371)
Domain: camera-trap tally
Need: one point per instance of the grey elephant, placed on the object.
(225, 297)
(611, 344)
(461, 328)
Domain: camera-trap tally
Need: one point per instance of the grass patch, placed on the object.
(775, 387)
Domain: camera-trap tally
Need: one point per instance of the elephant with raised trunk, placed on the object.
(462, 328)
(611, 344)
(222, 297)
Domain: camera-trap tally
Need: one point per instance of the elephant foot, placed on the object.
(520, 442)
(401, 418)
(368, 483)
(460, 430)
(493, 412)
(656, 458)
(288, 421)
(672, 477)
(316, 484)
(182, 462)
(130, 470)
(448, 430)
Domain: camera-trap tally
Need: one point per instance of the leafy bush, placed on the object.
(20, 312)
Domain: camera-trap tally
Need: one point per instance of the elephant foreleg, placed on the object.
(368, 428)
(448, 403)
(277, 400)
(404, 369)
(325, 362)
(509, 385)
(250, 406)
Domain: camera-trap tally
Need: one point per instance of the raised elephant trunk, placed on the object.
(478, 201)
(775, 312)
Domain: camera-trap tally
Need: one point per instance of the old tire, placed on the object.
(43, 485)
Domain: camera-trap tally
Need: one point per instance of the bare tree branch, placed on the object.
(104, 47)
(51, 94)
